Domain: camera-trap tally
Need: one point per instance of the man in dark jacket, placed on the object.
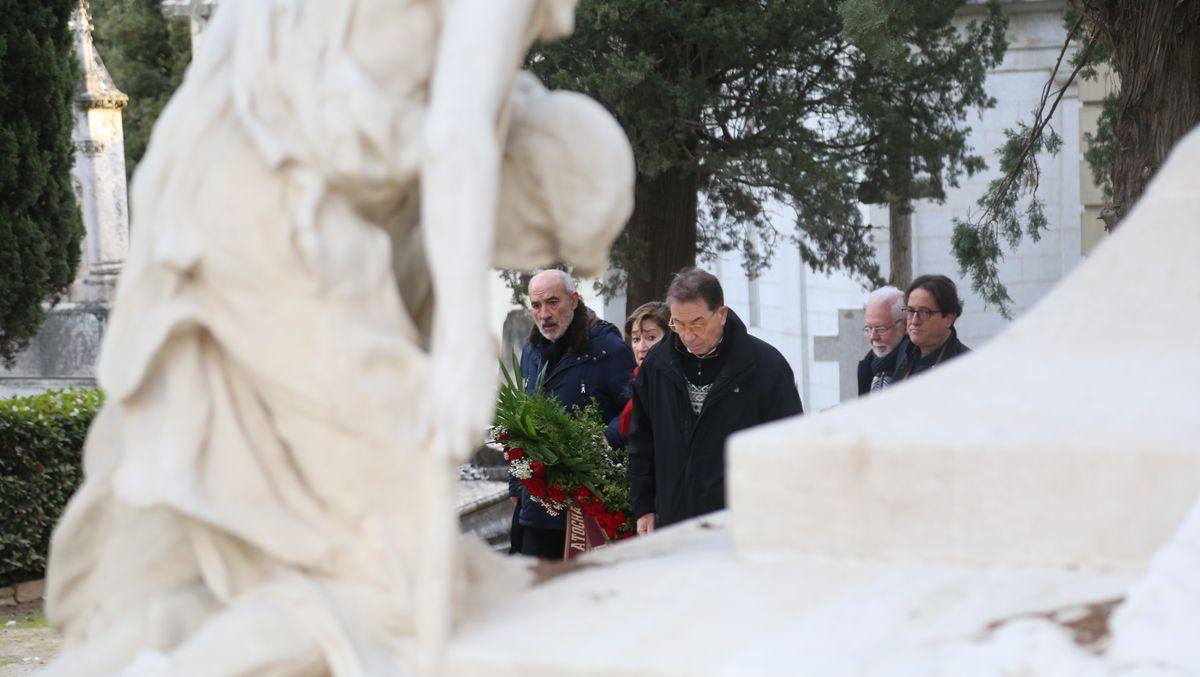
(709, 379)
(584, 358)
(885, 331)
(931, 306)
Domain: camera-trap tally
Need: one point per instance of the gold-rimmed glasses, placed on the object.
(696, 327)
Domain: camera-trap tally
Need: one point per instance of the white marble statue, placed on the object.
(299, 353)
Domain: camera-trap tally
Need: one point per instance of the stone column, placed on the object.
(99, 171)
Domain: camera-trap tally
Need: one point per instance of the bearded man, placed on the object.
(580, 358)
(885, 330)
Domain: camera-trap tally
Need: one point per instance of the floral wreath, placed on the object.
(562, 457)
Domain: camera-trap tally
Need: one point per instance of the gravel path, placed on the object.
(26, 643)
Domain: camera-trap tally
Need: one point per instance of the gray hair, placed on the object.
(564, 277)
(888, 296)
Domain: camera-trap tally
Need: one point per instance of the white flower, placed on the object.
(520, 469)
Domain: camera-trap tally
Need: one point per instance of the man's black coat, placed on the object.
(676, 458)
(910, 364)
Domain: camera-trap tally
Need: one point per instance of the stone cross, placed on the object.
(847, 348)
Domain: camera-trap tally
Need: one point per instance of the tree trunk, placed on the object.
(1156, 53)
(900, 243)
(662, 234)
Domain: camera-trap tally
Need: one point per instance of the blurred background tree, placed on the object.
(1152, 50)
(146, 55)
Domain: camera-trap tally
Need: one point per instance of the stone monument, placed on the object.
(64, 351)
(99, 172)
(299, 355)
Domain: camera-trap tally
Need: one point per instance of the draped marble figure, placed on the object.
(299, 351)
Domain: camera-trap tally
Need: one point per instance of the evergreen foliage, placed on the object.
(567, 451)
(1010, 207)
(1153, 50)
(146, 55)
(40, 225)
(41, 447)
(752, 103)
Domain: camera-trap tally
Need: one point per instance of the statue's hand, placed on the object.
(462, 400)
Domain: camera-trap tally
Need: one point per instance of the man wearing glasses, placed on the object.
(931, 306)
(885, 331)
(707, 380)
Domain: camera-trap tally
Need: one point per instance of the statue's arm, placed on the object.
(480, 50)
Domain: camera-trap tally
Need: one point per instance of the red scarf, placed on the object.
(627, 412)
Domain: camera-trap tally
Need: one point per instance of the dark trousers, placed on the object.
(543, 543)
(515, 530)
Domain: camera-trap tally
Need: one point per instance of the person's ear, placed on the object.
(575, 299)
(724, 313)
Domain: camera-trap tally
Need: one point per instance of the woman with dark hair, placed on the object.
(931, 305)
(643, 330)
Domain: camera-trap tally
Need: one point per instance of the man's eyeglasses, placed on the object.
(695, 327)
(923, 313)
(880, 328)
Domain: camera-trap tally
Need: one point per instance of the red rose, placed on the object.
(537, 468)
(514, 453)
(503, 435)
(535, 487)
(556, 494)
(582, 495)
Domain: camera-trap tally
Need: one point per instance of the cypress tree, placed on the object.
(40, 224)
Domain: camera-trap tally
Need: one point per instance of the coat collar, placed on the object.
(578, 332)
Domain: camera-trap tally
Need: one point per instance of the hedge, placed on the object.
(41, 445)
